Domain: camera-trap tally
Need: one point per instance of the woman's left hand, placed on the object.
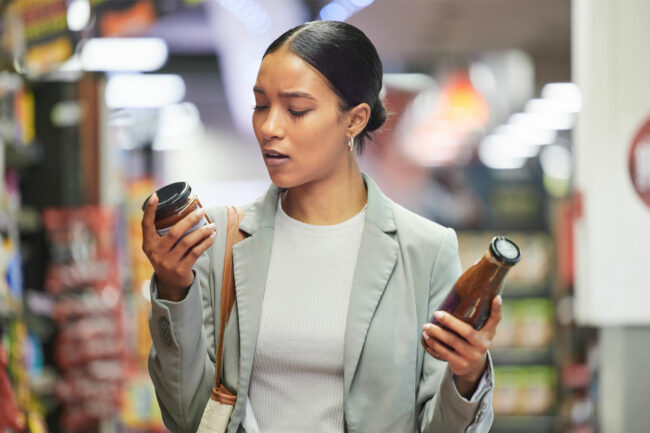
(465, 348)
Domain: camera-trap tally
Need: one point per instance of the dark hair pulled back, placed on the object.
(344, 55)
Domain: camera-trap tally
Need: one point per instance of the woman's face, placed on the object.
(297, 121)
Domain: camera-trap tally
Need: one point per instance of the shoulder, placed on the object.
(429, 249)
(414, 233)
(414, 229)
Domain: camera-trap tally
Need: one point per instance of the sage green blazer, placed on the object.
(405, 267)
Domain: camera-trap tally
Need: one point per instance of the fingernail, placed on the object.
(499, 299)
(439, 315)
(427, 326)
(213, 234)
(426, 336)
(152, 198)
(200, 211)
(210, 226)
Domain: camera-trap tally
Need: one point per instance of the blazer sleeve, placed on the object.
(442, 408)
(181, 359)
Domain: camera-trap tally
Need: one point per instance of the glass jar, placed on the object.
(175, 202)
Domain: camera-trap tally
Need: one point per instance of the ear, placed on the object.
(357, 119)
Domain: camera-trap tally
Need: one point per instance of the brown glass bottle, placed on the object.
(471, 297)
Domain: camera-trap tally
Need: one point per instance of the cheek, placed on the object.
(322, 135)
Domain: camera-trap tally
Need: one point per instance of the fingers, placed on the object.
(439, 351)
(463, 358)
(495, 315)
(458, 343)
(454, 342)
(189, 241)
(456, 325)
(181, 227)
(148, 221)
(194, 253)
(428, 343)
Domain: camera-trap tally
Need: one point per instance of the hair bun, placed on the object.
(377, 117)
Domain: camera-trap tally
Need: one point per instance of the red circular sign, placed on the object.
(640, 163)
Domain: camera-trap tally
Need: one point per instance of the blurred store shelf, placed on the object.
(523, 356)
(524, 423)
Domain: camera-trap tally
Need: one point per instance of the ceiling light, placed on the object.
(144, 90)
(522, 144)
(550, 114)
(124, 54)
(334, 12)
(496, 151)
(362, 3)
(566, 95)
(78, 15)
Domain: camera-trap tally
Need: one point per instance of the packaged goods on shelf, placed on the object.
(524, 390)
(526, 323)
(21, 357)
(90, 347)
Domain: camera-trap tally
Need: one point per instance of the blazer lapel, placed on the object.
(377, 257)
(251, 262)
(251, 259)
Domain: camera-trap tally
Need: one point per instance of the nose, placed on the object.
(271, 127)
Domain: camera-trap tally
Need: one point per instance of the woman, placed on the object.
(333, 282)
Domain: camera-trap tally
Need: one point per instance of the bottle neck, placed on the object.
(484, 277)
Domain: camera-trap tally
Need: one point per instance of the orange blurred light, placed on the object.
(461, 103)
(443, 138)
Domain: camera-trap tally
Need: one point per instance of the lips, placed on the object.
(274, 154)
(273, 158)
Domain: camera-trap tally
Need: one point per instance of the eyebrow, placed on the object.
(293, 94)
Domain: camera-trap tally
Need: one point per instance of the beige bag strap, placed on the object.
(233, 235)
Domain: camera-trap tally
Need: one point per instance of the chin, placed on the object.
(283, 180)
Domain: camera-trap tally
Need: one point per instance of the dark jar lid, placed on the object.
(505, 251)
(171, 198)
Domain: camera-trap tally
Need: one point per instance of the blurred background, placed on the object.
(528, 118)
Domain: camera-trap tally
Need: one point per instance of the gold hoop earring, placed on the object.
(351, 143)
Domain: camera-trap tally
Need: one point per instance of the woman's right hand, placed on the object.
(172, 259)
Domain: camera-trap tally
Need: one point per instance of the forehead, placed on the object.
(282, 70)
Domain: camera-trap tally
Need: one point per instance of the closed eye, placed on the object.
(260, 107)
(298, 113)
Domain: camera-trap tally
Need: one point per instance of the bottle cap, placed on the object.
(504, 250)
(170, 197)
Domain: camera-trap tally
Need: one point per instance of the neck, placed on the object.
(327, 201)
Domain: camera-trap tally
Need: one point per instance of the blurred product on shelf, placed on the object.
(524, 390)
(21, 357)
(82, 250)
(139, 407)
(11, 285)
(140, 410)
(10, 416)
(526, 323)
(90, 347)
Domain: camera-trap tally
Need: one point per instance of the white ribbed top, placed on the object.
(297, 379)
